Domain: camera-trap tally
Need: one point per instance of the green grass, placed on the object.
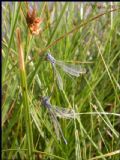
(71, 32)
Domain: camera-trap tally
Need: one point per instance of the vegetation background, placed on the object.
(75, 32)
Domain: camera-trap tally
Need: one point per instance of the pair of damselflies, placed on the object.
(55, 112)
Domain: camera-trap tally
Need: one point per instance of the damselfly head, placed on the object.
(44, 99)
(50, 58)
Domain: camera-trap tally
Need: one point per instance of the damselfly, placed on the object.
(60, 112)
(72, 69)
(55, 112)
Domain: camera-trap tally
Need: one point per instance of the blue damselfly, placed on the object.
(66, 113)
(72, 69)
(55, 112)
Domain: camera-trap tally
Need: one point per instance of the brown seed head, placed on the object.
(33, 22)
